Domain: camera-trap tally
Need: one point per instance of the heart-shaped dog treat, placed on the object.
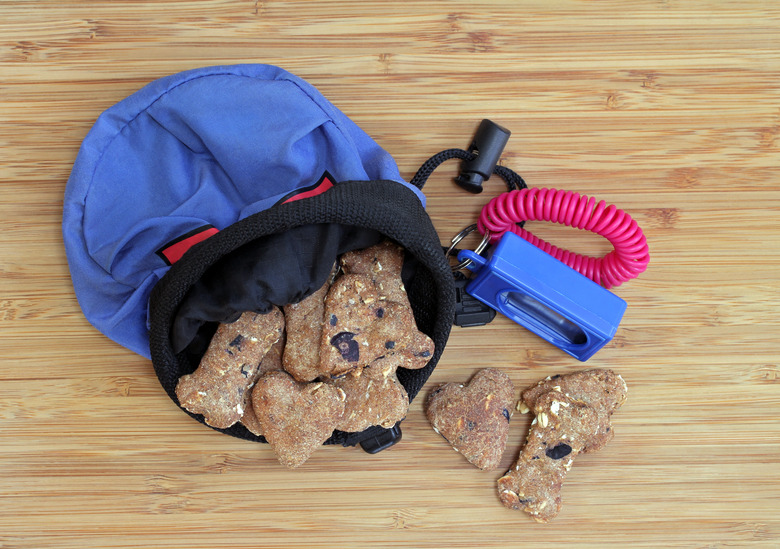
(474, 418)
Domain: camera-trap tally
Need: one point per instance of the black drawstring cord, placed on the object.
(512, 179)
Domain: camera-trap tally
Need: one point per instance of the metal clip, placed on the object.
(481, 247)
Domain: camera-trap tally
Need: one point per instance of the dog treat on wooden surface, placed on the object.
(474, 418)
(573, 415)
(601, 389)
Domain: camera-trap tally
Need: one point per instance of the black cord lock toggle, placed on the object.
(488, 144)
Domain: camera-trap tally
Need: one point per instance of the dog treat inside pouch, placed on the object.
(228, 189)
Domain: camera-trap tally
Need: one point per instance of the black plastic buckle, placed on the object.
(469, 311)
(382, 441)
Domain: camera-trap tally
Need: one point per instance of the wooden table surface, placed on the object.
(668, 109)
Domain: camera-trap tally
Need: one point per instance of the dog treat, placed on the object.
(229, 368)
(374, 396)
(304, 331)
(296, 417)
(249, 419)
(397, 332)
(351, 307)
(572, 417)
(474, 418)
(271, 361)
(361, 326)
(383, 263)
(599, 388)
(372, 400)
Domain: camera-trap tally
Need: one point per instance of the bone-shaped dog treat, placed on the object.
(271, 361)
(383, 263)
(572, 417)
(296, 418)
(602, 389)
(304, 321)
(374, 396)
(217, 389)
(360, 327)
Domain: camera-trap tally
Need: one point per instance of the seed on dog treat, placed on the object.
(295, 417)
(568, 422)
(217, 389)
(474, 418)
(304, 321)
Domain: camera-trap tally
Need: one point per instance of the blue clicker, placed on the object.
(545, 295)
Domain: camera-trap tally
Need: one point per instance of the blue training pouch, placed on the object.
(234, 188)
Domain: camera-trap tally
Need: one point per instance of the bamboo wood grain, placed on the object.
(670, 110)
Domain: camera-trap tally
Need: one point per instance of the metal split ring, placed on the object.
(460, 236)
